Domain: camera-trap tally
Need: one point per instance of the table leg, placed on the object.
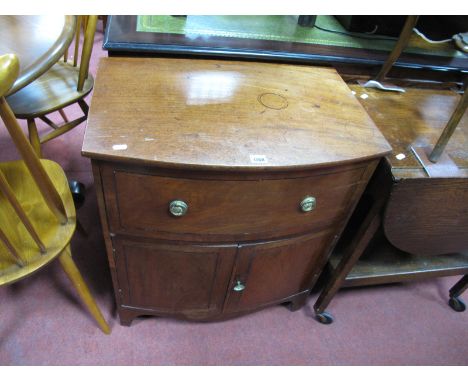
(351, 256)
(377, 190)
(455, 302)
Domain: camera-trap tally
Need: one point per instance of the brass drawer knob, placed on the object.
(178, 208)
(239, 287)
(308, 204)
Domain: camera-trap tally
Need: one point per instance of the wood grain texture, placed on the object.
(78, 282)
(61, 86)
(54, 90)
(400, 45)
(452, 124)
(54, 236)
(428, 216)
(37, 212)
(224, 208)
(9, 194)
(46, 188)
(186, 279)
(90, 30)
(10, 70)
(423, 216)
(382, 263)
(20, 253)
(364, 222)
(217, 114)
(164, 250)
(185, 130)
(274, 271)
(415, 118)
(38, 41)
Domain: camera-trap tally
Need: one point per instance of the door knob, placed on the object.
(239, 287)
(178, 208)
(308, 204)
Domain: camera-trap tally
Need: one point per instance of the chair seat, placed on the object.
(54, 235)
(54, 90)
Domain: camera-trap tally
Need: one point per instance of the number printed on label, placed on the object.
(260, 159)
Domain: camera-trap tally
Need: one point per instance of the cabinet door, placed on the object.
(270, 273)
(188, 280)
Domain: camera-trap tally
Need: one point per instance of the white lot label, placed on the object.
(260, 159)
(119, 147)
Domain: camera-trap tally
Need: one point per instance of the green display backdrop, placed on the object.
(281, 28)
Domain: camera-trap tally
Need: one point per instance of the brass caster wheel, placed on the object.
(324, 318)
(457, 304)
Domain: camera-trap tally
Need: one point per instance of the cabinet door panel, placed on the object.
(274, 271)
(181, 279)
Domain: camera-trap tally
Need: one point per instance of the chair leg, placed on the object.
(455, 302)
(64, 116)
(34, 137)
(75, 277)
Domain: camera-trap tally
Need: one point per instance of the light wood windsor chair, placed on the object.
(37, 214)
(66, 83)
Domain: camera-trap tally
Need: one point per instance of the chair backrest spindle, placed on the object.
(77, 39)
(10, 64)
(34, 165)
(90, 28)
(11, 249)
(88, 25)
(6, 190)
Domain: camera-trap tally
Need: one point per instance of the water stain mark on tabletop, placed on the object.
(273, 101)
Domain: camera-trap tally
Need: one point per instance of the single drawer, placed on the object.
(154, 205)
